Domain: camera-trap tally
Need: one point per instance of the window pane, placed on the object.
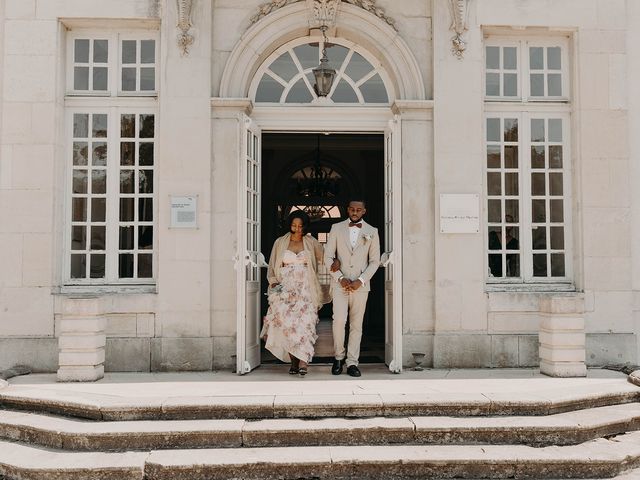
(493, 58)
(358, 67)
(555, 130)
(539, 265)
(538, 211)
(374, 91)
(99, 181)
(98, 237)
(510, 55)
(145, 153)
(81, 78)
(100, 78)
(80, 153)
(308, 55)
(510, 156)
(79, 237)
(145, 181)
(78, 266)
(554, 61)
(536, 58)
(493, 84)
(555, 156)
(510, 129)
(145, 209)
(126, 209)
(79, 210)
(537, 85)
(537, 130)
(128, 126)
(495, 265)
(269, 90)
(145, 269)
(538, 184)
(494, 210)
(127, 152)
(145, 237)
(493, 183)
(128, 51)
(557, 211)
(539, 238)
(513, 265)
(79, 181)
(512, 238)
(98, 209)
(537, 157)
(511, 184)
(126, 238)
(557, 265)
(126, 181)
(148, 51)
(81, 50)
(284, 67)
(125, 265)
(511, 211)
(493, 129)
(557, 238)
(99, 157)
(555, 183)
(97, 266)
(147, 79)
(128, 79)
(80, 125)
(344, 93)
(493, 156)
(495, 238)
(554, 85)
(100, 51)
(299, 93)
(510, 85)
(147, 126)
(99, 125)
(336, 55)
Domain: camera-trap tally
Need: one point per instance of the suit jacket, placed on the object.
(361, 261)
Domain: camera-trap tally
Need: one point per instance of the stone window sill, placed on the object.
(92, 290)
(530, 287)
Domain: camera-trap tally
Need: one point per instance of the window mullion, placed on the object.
(526, 197)
(112, 186)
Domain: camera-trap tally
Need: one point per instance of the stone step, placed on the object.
(601, 458)
(112, 408)
(82, 435)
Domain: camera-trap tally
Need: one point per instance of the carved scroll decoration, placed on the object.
(318, 5)
(185, 39)
(459, 14)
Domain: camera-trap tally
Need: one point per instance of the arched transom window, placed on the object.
(287, 76)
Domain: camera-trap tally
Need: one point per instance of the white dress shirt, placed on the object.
(354, 234)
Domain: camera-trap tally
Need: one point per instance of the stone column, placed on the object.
(562, 336)
(82, 340)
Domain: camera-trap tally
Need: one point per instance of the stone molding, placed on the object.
(185, 39)
(326, 8)
(459, 15)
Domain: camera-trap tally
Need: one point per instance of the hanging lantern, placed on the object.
(323, 73)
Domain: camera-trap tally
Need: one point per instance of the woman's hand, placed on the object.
(335, 266)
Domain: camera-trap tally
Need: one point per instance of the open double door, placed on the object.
(249, 258)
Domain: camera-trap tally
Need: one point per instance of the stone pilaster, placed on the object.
(82, 340)
(562, 336)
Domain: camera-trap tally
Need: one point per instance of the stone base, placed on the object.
(80, 373)
(563, 369)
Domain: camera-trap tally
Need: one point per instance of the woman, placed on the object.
(294, 295)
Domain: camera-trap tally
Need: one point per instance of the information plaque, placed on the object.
(183, 212)
(459, 213)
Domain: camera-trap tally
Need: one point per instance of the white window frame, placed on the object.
(114, 65)
(138, 37)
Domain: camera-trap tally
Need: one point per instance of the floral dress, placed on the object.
(290, 323)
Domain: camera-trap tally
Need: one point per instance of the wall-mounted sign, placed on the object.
(183, 212)
(459, 213)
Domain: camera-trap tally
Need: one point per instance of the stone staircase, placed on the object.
(58, 435)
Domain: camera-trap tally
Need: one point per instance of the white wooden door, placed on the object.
(249, 260)
(392, 257)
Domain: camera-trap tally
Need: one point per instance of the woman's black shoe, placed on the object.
(353, 371)
(336, 368)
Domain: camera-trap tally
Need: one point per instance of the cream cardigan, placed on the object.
(314, 253)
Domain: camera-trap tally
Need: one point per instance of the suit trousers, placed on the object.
(353, 306)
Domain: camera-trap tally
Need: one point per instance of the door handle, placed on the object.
(386, 259)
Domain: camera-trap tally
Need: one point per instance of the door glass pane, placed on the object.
(98, 209)
(99, 125)
(269, 90)
(494, 183)
(358, 67)
(537, 130)
(557, 265)
(557, 238)
(538, 184)
(125, 265)
(510, 129)
(126, 209)
(299, 93)
(512, 238)
(145, 237)
(145, 181)
(80, 125)
(145, 269)
(493, 58)
(510, 156)
(128, 126)
(555, 184)
(99, 181)
(80, 153)
(344, 93)
(493, 156)
(494, 211)
(99, 157)
(538, 211)
(126, 181)
(374, 91)
(81, 78)
(308, 55)
(513, 265)
(555, 156)
(493, 129)
(557, 212)
(539, 238)
(147, 126)
(539, 265)
(537, 156)
(284, 67)
(555, 130)
(145, 155)
(336, 55)
(495, 265)
(79, 210)
(126, 238)
(511, 211)
(78, 266)
(145, 209)
(511, 184)
(98, 237)
(81, 50)
(495, 238)
(100, 51)
(79, 181)
(78, 237)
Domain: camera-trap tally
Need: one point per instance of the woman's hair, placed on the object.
(302, 215)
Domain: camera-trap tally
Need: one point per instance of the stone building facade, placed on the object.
(503, 146)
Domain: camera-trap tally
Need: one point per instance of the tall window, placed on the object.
(111, 157)
(527, 161)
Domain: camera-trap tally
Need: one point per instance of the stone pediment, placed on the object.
(323, 11)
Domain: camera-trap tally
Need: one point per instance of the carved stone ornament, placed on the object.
(323, 12)
(459, 14)
(319, 5)
(185, 39)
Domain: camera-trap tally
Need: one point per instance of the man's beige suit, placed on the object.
(361, 261)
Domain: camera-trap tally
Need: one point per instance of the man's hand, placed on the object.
(274, 285)
(355, 285)
(335, 266)
(345, 283)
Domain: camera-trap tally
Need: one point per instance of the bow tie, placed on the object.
(354, 224)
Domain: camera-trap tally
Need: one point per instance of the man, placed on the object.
(356, 245)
